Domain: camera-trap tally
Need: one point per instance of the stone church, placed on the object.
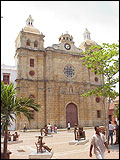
(55, 78)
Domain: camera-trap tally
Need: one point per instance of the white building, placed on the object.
(8, 75)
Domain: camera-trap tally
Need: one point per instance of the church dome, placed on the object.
(31, 29)
(29, 26)
(87, 40)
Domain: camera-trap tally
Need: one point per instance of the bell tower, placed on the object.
(30, 68)
(30, 37)
(86, 34)
(29, 21)
(66, 38)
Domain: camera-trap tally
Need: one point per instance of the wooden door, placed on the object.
(71, 114)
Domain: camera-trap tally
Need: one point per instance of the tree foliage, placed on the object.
(116, 111)
(12, 105)
(104, 61)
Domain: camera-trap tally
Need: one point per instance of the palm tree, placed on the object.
(13, 105)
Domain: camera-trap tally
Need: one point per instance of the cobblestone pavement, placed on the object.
(60, 145)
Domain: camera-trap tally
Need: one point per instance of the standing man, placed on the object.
(25, 128)
(49, 128)
(111, 130)
(68, 125)
(99, 142)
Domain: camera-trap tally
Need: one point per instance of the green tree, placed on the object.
(13, 105)
(104, 61)
(116, 112)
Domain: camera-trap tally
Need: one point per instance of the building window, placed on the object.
(6, 78)
(32, 114)
(35, 44)
(31, 62)
(28, 42)
(98, 114)
(69, 71)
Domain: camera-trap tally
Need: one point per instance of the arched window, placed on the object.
(35, 44)
(28, 42)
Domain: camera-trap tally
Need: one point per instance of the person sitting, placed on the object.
(40, 145)
(41, 131)
(9, 136)
(15, 136)
(75, 131)
(80, 133)
(46, 130)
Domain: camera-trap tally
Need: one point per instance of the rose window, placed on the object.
(69, 71)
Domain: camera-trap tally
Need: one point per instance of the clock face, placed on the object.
(67, 46)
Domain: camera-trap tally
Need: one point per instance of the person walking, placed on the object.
(55, 128)
(25, 128)
(68, 127)
(99, 142)
(49, 128)
(111, 131)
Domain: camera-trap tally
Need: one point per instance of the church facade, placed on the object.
(55, 78)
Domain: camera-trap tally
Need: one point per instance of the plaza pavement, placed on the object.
(60, 145)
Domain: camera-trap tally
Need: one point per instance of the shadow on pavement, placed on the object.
(114, 148)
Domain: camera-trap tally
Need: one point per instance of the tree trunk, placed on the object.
(105, 116)
(2, 132)
(106, 109)
(5, 144)
(108, 119)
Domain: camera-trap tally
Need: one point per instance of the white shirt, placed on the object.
(49, 126)
(68, 125)
(111, 127)
(98, 143)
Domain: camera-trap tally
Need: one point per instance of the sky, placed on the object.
(53, 18)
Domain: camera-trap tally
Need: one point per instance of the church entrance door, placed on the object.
(71, 114)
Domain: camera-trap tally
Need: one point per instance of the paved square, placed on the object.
(60, 145)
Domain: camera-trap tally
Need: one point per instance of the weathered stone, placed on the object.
(51, 87)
